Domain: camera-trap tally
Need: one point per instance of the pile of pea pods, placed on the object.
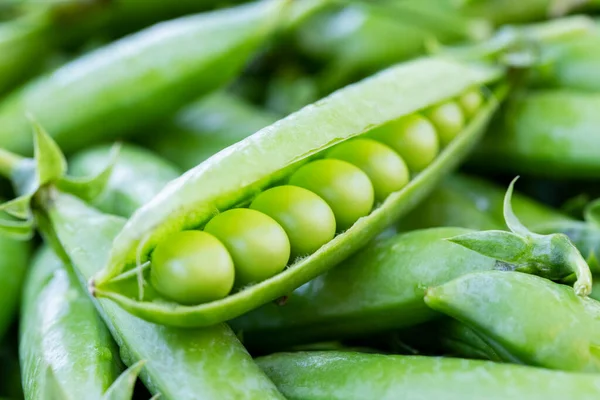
(299, 199)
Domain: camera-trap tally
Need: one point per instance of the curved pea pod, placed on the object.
(379, 289)
(557, 329)
(180, 363)
(138, 80)
(236, 175)
(13, 265)
(545, 133)
(347, 375)
(65, 347)
(135, 178)
(206, 127)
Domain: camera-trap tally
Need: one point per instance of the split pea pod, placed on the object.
(180, 364)
(206, 127)
(532, 319)
(299, 150)
(134, 82)
(63, 341)
(545, 133)
(336, 375)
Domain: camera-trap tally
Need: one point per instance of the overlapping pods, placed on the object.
(302, 193)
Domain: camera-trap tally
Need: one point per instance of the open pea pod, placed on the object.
(235, 176)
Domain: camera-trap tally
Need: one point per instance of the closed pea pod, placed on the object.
(283, 149)
(306, 218)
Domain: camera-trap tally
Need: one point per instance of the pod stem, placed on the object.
(8, 162)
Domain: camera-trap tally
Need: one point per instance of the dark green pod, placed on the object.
(61, 332)
(533, 319)
(550, 133)
(337, 375)
(379, 289)
(139, 80)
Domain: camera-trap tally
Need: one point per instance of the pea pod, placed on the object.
(545, 133)
(180, 364)
(556, 330)
(61, 332)
(183, 206)
(108, 93)
(206, 127)
(347, 375)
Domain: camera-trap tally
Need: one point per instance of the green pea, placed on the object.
(413, 137)
(257, 243)
(470, 102)
(346, 188)
(448, 119)
(384, 167)
(306, 218)
(192, 267)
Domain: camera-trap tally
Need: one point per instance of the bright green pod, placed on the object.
(62, 332)
(306, 218)
(413, 137)
(336, 375)
(171, 368)
(448, 119)
(384, 167)
(549, 133)
(235, 176)
(206, 127)
(557, 330)
(345, 188)
(108, 93)
(379, 289)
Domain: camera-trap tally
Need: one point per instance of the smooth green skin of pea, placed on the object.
(448, 119)
(470, 102)
(192, 267)
(558, 330)
(60, 329)
(257, 244)
(413, 137)
(346, 188)
(380, 288)
(347, 375)
(306, 218)
(385, 168)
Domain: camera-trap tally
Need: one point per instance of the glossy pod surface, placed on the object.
(557, 329)
(547, 133)
(282, 148)
(61, 332)
(337, 375)
(137, 80)
(380, 288)
(180, 363)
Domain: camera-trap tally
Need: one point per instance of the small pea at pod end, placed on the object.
(413, 137)
(384, 167)
(470, 102)
(192, 267)
(257, 244)
(345, 187)
(448, 119)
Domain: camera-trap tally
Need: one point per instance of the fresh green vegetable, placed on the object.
(335, 375)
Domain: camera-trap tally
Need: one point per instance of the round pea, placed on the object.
(306, 218)
(413, 137)
(257, 243)
(384, 167)
(448, 120)
(470, 102)
(346, 188)
(192, 267)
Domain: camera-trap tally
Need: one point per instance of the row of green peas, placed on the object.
(242, 246)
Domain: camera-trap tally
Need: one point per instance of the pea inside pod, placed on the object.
(280, 154)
